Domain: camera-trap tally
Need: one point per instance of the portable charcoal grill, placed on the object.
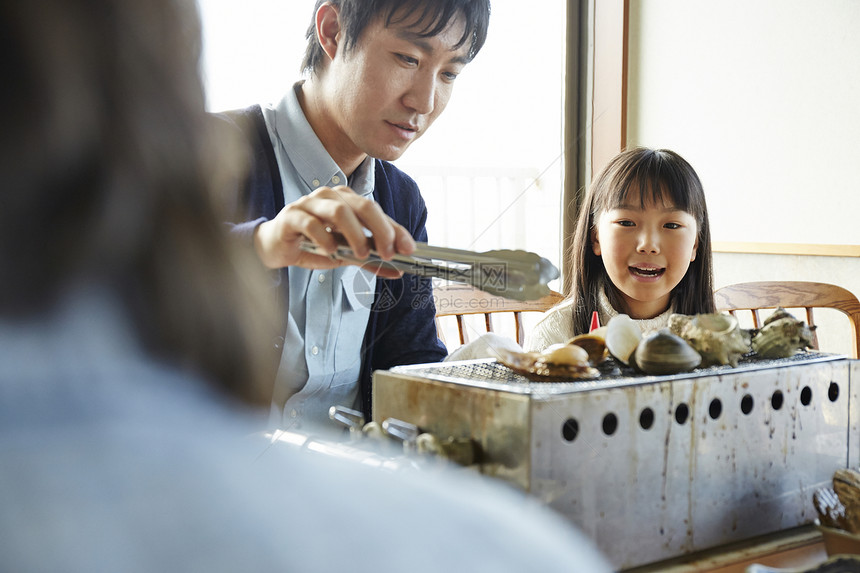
(649, 467)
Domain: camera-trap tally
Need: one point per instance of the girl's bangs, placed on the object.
(652, 182)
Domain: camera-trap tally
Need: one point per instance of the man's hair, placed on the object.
(432, 18)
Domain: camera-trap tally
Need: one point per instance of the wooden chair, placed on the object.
(459, 300)
(754, 296)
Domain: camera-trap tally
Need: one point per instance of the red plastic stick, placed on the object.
(595, 321)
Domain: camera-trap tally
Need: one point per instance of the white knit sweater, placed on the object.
(556, 325)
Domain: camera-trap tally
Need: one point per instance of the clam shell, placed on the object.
(665, 353)
(622, 337)
(535, 367)
(594, 344)
(564, 355)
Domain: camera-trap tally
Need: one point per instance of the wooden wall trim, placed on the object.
(786, 249)
(576, 40)
(609, 95)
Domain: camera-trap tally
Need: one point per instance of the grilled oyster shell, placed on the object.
(782, 337)
(716, 337)
(846, 484)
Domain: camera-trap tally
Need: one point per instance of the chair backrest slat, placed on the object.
(460, 300)
(753, 296)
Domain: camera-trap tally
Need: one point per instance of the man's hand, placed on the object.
(336, 209)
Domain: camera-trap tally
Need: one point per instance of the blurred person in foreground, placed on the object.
(125, 341)
(377, 74)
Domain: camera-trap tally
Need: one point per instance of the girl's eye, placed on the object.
(625, 223)
(672, 225)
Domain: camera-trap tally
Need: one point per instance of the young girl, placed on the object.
(641, 247)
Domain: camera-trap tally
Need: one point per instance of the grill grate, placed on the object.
(612, 372)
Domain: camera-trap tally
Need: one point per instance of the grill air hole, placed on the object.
(570, 429)
(715, 409)
(833, 392)
(776, 400)
(682, 412)
(610, 424)
(806, 396)
(646, 419)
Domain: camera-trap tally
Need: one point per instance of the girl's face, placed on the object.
(646, 252)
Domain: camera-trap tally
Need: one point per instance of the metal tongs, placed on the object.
(518, 275)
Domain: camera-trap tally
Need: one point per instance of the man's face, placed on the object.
(389, 88)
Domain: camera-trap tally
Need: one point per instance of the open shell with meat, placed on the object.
(573, 360)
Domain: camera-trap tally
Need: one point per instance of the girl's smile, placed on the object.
(646, 272)
(646, 252)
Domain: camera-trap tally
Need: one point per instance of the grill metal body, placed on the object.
(650, 467)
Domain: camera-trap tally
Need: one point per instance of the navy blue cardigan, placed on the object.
(401, 329)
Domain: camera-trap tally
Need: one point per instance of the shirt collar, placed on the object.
(364, 177)
(308, 155)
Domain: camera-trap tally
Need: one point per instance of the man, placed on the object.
(125, 339)
(378, 74)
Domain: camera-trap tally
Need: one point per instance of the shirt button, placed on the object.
(321, 278)
(278, 342)
(293, 413)
(316, 182)
(315, 350)
(335, 179)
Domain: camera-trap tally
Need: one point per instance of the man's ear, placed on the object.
(328, 29)
(595, 242)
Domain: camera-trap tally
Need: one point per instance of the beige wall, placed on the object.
(763, 98)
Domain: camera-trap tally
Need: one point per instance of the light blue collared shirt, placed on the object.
(328, 309)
